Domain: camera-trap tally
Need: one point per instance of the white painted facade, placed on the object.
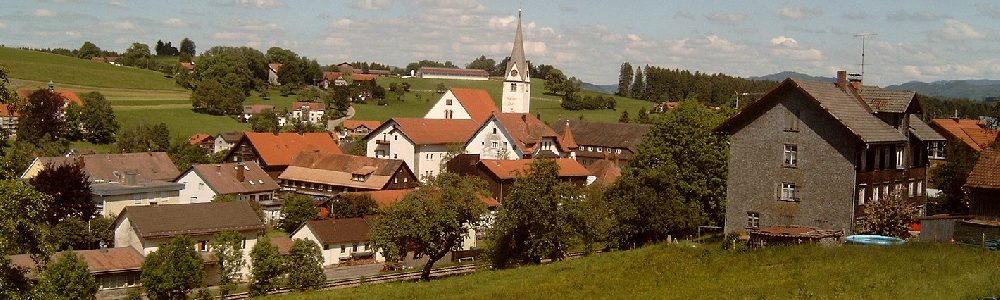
(516, 93)
(335, 252)
(448, 107)
(389, 142)
(308, 115)
(126, 236)
(196, 190)
(492, 141)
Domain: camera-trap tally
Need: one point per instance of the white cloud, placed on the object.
(174, 22)
(122, 26)
(252, 25)
(42, 12)
(75, 34)
(725, 19)
(261, 3)
(437, 8)
(955, 30)
(118, 4)
(372, 4)
(784, 41)
(797, 13)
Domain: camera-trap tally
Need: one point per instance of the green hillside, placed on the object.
(913, 271)
(42, 67)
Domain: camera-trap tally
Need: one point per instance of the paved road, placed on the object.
(336, 272)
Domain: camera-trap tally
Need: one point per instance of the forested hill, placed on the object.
(962, 89)
(652, 83)
(779, 77)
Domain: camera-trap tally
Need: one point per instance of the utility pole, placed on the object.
(864, 36)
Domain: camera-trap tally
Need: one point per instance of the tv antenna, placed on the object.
(863, 37)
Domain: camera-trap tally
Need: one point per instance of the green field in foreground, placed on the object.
(913, 271)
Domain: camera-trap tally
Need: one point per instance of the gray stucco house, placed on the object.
(812, 153)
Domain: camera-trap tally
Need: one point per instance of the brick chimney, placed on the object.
(842, 80)
(240, 176)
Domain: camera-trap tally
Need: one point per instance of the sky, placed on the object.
(922, 40)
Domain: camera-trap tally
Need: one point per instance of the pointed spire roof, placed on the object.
(517, 54)
(567, 138)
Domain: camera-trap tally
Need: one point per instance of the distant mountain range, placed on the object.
(603, 88)
(981, 89)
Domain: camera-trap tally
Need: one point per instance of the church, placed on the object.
(517, 81)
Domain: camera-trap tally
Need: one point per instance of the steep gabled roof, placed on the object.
(280, 149)
(70, 96)
(111, 167)
(605, 171)
(165, 221)
(331, 75)
(986, 173)
(434, 131)
(6, 110)
(363, 77)
(517, 54)
(887, 100)
(274, 67)
(331, 231)
(509, 169)
(113, 260)
(973, 133)
(843, 106)
(528, 131)
(200, 138)
(311, 105)
(354, 124)
(340, 169)
(224, 178)
(476, 102)
(231, 136)
(614, 135)
(923, 131)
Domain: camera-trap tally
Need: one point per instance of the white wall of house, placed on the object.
(428, 160)
(397, 146)
(492, 142)
(333, 252)
(447, 107)
(113, 205)
(221, 144)
(126, 237)
(314, 116)
(196, 190)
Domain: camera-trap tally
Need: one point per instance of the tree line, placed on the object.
(657, 84)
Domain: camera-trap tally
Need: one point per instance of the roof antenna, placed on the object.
(864, 36)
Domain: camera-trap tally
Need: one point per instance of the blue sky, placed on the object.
(916, 40)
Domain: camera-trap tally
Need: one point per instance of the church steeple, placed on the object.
(517, 81)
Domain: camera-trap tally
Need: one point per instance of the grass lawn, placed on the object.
(913, 271)
(182, 121)
(42, 67)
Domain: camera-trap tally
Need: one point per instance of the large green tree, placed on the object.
(267, 268)
(638, 88)
(533, 222)
(88, 50)
(227, 250)
(188, 47)
(625, 80)
(238, 68)
(950, 178)
(353, 206)
(99, 119)
(41, 117)
(296, 210)
(69, 187)
(68, 277)
(483, 63)
(264, 121)
(142, 137)
(172, 271)
(213, 97)
(71, 233)
(555, 81)
(431, 221)
(306, 259)
(73, 129)
(138, 55)
(21, 206)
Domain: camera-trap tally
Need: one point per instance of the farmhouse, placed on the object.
(598, 141)
(334, 78)
(250, 110)
(357, 128)
(342, 240)
(114, 269)
(447, 73)
(458, 103)
(243, 180)
(421, 143)
(812, 153)
(500, 174)
(323, 174)
(206, 141)
(516, 136)
(273, 152)
(311, 112)
(225, 140)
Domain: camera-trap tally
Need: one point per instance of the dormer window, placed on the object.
(359, 177)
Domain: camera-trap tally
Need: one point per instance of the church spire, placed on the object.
(517, 54)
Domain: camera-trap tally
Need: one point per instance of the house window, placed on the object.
(876, 192)
(395, 137)
(792, 120)
(395, 156)
(429, 156)
(495, 144)
(494, 130)
(447, 102)
(202, 246)
(358, 177)
(366, 248)
(913, 187)
(936, 150)
(201, 186)
(861, 194)
(753, 220)
(355, 248)
(791, 155)
(343, 248)
(513, 87)
(920, 187)
(380, 153)
(899, 158)
(618, 151)
(787, 192)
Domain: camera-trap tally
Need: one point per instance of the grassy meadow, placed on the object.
(912, 271)
(42, 67)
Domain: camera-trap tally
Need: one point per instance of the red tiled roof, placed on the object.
(274, 67)
(70, 96)
(7, 111)
(436, 131)
(224, 178)
(476, 102)
(284, 244)
(280, 149)
(605, 171)
(986, 173)
(112, 167)
(339, 169)
(354, 124)
(971, 132)
(331, 75)
(363, 77)
(509, 169)
(331, 231)
(256, 108)
(187, 65)
(114, 260)
(528, 131)
(311, 105)
(200, 138)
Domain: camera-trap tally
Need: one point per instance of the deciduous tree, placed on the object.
(482, 63)
(890, 215)
(213, 97)
(352, 206)
(21, 206)
(555, 81)
(267, 268)
(88, 50)
(227, 250)
(69, 187)
(187, 46)
(297, 210)
(71, 233)
(173, 270)
(40, 117)
(431, 221)
(306, 259)
(99, 119)
(533, 223)
(68, 277)
(138, 55)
